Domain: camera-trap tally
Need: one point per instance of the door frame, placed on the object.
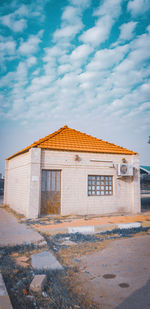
(50, 170)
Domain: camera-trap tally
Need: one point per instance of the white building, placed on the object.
(72, 173)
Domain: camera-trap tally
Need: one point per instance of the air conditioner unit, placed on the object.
(125, 170)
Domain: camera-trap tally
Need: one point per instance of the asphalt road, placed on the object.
(118, 277)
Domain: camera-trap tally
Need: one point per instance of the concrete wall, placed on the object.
(33, 209)
(17, 174)
(74, 182)
(23, 183)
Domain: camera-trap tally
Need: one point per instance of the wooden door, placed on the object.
(51, 192)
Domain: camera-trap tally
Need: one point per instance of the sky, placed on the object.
(81, 63)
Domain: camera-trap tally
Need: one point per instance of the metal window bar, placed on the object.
(100, 185)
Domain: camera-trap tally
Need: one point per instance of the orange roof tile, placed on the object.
(67, 139)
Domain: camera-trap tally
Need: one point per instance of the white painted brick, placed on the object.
(129, 225)
(74, 179)
(81, 229)
(17, 183)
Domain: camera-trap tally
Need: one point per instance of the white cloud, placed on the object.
(41, 82)
(127, 31)
(71, 20)
(68, 31)
(142, 41)
(109, 7)
(7, 46)
(7, 50)
(107, 58)
(36, 72)
(69, 79)
(52, 52)
(64, 68)
(145, 106)
(8, 79)
(21, 73)
(17, 20)
(99, 33)
(31, 61)
(19, 25)
(62, 58)
(81, 51)
(6, 20)
(14, 22)
(137, 58)
(81, 4)
(107, 13)
(138, 7)
(31, 45)
(71, 14)
(23, 10)
(15, 99)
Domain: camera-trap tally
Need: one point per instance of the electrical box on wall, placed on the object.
(125, 170)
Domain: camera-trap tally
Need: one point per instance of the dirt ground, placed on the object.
(63, 289)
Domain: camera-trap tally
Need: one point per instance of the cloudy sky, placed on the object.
(84, 63)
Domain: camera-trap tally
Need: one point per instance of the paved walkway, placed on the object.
(13, 233)
(118, 276)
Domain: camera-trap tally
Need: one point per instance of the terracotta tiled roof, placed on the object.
(67, 139)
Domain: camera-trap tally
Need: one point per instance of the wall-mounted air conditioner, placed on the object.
(125, 169)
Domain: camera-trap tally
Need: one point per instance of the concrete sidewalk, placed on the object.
(90, 224)
(13, 233)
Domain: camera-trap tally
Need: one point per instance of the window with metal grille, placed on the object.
(100, 185)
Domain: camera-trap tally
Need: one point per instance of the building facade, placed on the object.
(71, 173)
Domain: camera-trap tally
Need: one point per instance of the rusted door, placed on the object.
(50, 195)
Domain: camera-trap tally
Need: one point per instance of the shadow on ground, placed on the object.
(139, 299)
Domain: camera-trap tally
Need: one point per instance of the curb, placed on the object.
(4, 298)
(90, 229)
(104, 228)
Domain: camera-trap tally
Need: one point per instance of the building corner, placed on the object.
(33, 210)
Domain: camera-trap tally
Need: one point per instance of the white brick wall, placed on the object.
(23, 183)
(74, 177)
(17, 183)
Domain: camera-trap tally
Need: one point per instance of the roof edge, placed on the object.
(18, 153)
(36, 143)
(132, 153)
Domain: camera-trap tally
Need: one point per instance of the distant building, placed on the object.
(145, 177)
(1, 185)
(72, 173)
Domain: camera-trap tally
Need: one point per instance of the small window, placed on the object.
(101, 185)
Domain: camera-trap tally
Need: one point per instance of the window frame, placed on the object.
(100, 185)
(50, 181)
